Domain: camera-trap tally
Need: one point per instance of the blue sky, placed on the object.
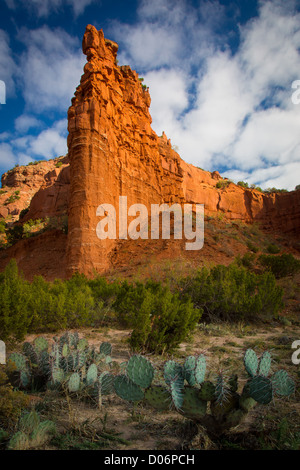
(219, 72)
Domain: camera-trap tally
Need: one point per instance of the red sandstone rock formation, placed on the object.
(113, 151)
(42, 188)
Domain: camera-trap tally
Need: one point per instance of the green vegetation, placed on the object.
(12, 403)
(234, 293)
(32, 228)
(13, 197)
(273, 249)
(159, 318)
(222, 184)
(280, 266)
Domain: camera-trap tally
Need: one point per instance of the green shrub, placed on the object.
(252, 247)
(14, 295)
(14, 234)
(11, 403)
(234, 293)
(42, 306)
(247, 260)
(280, 266)
(222, 184)
(160, 319)
(273, 249)
(2, 226)
(23, 213)
(243, 184)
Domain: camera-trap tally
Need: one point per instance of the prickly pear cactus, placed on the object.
(261, 389)
(74, 383)
(127, 390)
(283, 385)
(158, 397)
(105, 348)
(264, 364)
(192, 406)
(207, 391)
(40, 344)
(140, 371)
(251, 362)
(92, 374)
(200, 369)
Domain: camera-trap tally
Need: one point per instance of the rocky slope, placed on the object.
(114, 152)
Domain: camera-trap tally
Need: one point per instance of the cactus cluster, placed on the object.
(68, 364)
(215, 404)
(260, 386)
(32, 432)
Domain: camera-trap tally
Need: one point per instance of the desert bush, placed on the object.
(234, 293)
(160, 319)
(2, 226)
(40, 306)
(247, 260)
(280, 266)
(12, 402)
(273, 249)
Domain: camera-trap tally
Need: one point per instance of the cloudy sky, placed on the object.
(220, 75)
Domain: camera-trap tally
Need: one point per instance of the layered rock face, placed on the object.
(41, 188)
(114, 152)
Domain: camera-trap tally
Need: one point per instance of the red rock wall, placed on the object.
(113, 151)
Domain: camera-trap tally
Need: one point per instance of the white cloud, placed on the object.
(25, 122)
(221, 109)
(43, 8)
(22, 149)
(51, 142)
(7, 64)
(51, 69)
(7, 157)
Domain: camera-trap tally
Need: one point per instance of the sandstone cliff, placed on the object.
(113, 151)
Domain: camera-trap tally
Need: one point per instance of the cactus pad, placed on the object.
(283, 385)
(251, 362)
(264, 364)
(40, 344)
(18, 361)
(19, 441)
(106, 383)
(207, 391)
(193, 407)
(261, 389)
(140, 371)
(92, 374)
(127, 390)
(158, 397)
(172, 370)
(74, 383)
(106, 349)
(200, 369)
(189, 370)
